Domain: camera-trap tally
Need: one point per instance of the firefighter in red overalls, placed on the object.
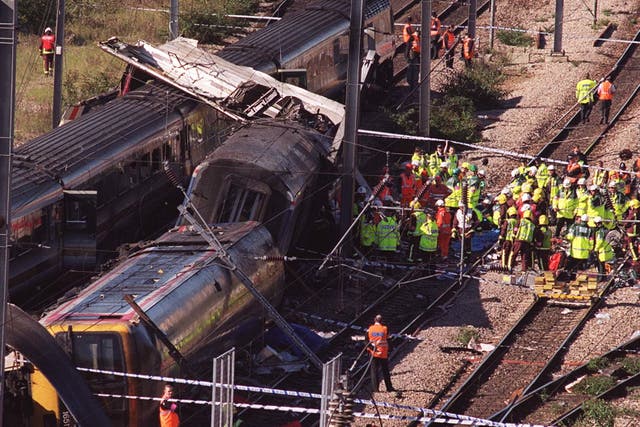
(407, 185)
(47, 48)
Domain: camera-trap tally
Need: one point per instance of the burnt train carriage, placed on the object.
(261, 173)
(310, 47)
(96, 182)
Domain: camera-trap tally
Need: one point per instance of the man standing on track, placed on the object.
(605, 91)
(584, 96)
(379, 349)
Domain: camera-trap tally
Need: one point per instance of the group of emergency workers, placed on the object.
(437, 198)
(441, 39)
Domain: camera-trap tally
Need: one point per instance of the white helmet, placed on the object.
(481, 172)
(533, 170)
(551, 168)
(444, 164)
(486, 201)
(582, 181)
(566, 183)
(597, 219)
(584, 217)
(48, 30)
(525, 207)
(593, 187)
(613, 184)
(515, 173)
(526, 197)
(439, 202)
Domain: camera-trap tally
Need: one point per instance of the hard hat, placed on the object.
(516, 190)
(597, 219)
(612, 184)
(505, 191)
(533, 170)
(408, 166)
(551, 168)
(502, 199)
(48, 30)
(584, 218)
(362, 190)
(473, 168)
(582, 181)
(515, 173)
(465, 165)
(566, 183)
(415, 163)
(439, 202)
(593, 187)
(481, 172)
(486, 201)
(444, 164)
(460, 205)
(634, 203)
(526, 197)
(512, 211)
(525, 207)
(543, 220)
(456, 171)
(526, 187)
(527, 214)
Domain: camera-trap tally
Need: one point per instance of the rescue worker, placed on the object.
(168, 409)
(574, 169)
(554, 184)
(468, 50)
(564, 206)
(436, 159)
(452, 159)
(367, 231)
(582, 195)
(429, 238)
(417, 218)
(47, 50)
(595, 204)
(379, 349)
(584, 96)
(435, 34)
(633, 228)
(407, 185)
(387, 235)
(602, 248)
(407, 30)
(418, 161)
(542, 239)
(605, 92)
(443, 220)
(523, 241)
(599, 175)
(448, 43)
(618, 199)
(581, 238)
(412, 54)
(464, 226)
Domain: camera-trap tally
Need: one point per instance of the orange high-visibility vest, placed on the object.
(377, 334)
(448, 39)
(443, 219)
(416, 43)
(407, 30)
(604, 91)
(467, 48)
(408, 186)
(435, 27)
(168, 418)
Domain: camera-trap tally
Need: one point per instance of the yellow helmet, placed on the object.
(543, 220)
(527, 214)
(502, 199)
(634, 203)
(512, 211)
(526, 188)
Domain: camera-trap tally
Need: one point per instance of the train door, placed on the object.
(79, 229)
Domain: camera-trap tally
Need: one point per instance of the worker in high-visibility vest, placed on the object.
(417, 218)
(584, 96)
(564, 206)
(602, 248)
(448, 40)
(468, 50)
(407, 30)
(378, 347)
(429, 238)
(633, 228)
(542, 242)
(412, 55)
(581, 238)
(523, 241)
(507, 235)
(434, 32)
(47, 50)
(605, 91)
(387, 235)
(443, 220)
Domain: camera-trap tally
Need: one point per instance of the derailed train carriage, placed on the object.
(95, 182)
(257, 188)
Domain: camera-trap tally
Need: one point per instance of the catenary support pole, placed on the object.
(352, 118)
(8, 43)
(425, 69)
(473, 11)
(57, 63)
(557, 34)
(492, 23)
(173, 20)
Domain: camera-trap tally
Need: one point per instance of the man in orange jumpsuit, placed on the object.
(379, 349)
(443, 219)
(168, 415)
(47, 49)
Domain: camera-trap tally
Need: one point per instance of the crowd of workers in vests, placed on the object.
(442, 42)
(437, 198)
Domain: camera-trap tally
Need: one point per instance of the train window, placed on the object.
(244, 200)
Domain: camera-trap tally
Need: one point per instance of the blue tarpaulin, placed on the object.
(275, 338)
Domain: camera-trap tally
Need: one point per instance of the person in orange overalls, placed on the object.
(379, 349)
(47, 49)
(407, 185)
(443, 219)
(468, 50)
(168, 410)
(605, 91)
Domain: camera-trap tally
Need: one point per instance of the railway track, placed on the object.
(551, 402)
(587, 137)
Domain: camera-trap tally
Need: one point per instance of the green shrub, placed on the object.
(631, 365)
(595, 385)
(597, 364)
(79, 86)
(454, 118)
(207, 22)
(480, 83)
(599, 412)
(466, 333)
(515, 38)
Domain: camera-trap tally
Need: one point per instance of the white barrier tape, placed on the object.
(454, 419)
(346, 325)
